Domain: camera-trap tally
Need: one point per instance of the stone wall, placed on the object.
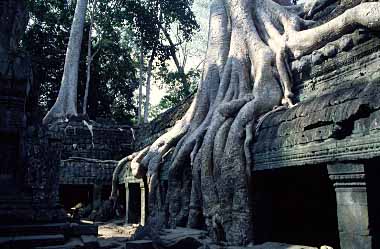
(43, 151)
(86, 171)
(148, 133)
(29, 155)
(334, 128)
(337, 116)
(97, 141)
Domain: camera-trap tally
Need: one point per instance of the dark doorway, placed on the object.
(120, 207)
(106, 191)
(134, 204)
(373, 186)
(295, 205)
(71, 195)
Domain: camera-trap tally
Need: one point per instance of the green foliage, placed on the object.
(147, 17)
(113, 71)
(175, 93)
(120, 26)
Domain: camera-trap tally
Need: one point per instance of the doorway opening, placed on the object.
(373, 186)
(296, 206)
(134, 203)
(71, 195)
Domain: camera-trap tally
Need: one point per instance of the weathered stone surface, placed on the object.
(27, 242)
(355, 227)
(139, 244)
(34, 229)
(337, 118)
(148, 133)
(83, 229)
(275, 245)
(182, 238)
(86, 139)
(86, 171)
(29, 156)
(90, 241)
(173, 239)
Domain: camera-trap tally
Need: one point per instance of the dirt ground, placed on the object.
(115, 233)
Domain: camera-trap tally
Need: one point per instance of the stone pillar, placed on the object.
(143, 204)
(97, 196)
(352, 205)
(126, 202)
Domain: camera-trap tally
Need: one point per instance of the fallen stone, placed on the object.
(274, 245)
(90, 241)
(182, 238)
(139, 244)
(37, 240)
(108, 244)
(83, 229)
(267, 245)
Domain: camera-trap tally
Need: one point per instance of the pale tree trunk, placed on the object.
(139, 112)
(246, 74)
(66, 103)
(90, 57)
(147, 95)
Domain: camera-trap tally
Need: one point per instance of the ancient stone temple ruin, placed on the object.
(304, 173)
(89, 156)
(30, 157)
(30, 213)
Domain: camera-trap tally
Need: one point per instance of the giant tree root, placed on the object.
(245, 76)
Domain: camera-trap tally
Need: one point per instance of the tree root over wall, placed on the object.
(245, 76)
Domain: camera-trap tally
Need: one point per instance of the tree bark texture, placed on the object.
(246, 74)
(139, 111)
(66, 103)
(147, 89)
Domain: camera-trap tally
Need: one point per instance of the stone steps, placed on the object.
(49, 236)
(38, 229)
(82, 242)
(30, 241)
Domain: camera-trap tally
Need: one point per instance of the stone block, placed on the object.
(353, 219)
(139, 244)
(83, 229)
(90, 241)
(353, 241)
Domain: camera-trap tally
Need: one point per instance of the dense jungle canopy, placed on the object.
(120, 30)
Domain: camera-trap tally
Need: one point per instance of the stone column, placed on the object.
(143, 204)
(126, 202)
(352, 205)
